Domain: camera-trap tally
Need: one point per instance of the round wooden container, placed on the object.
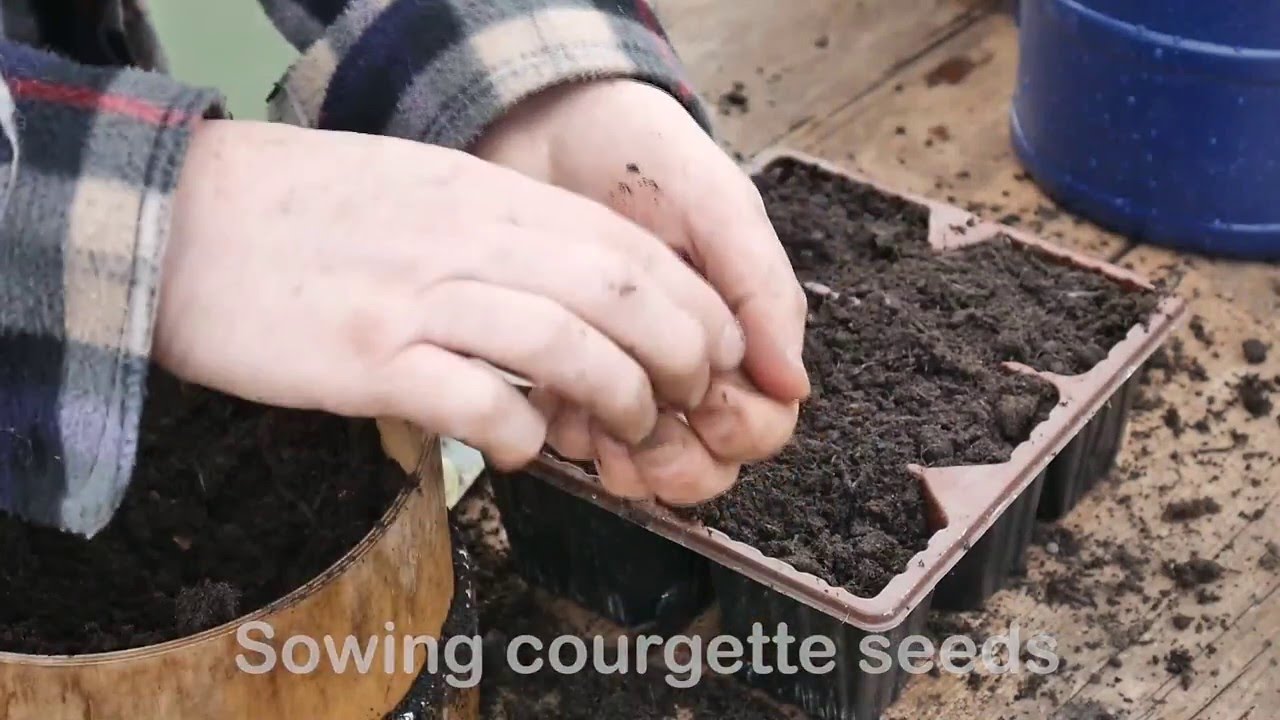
(401, 573)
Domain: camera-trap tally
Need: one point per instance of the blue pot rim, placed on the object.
(1131, 43)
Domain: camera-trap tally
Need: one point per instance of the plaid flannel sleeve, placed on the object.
(440, 71)
(88, 164)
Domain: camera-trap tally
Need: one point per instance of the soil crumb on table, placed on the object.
(735, 100)
(1084, 710)
(1270, 560)
(509, 608)
(1179, 662)
(1255, 395)
(1194, 509)
(904, 350)
(232, 506)
(1255, 351)
(1194, 572)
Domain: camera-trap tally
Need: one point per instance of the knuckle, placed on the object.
(562, 337)
(687, 353)
(486, 406)
(370, 332)
(617, 279)
(524, 455)
(632, 397)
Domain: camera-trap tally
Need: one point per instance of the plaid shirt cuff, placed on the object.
(441, 72)
(98, 153)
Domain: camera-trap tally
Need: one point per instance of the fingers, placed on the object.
(458, 397)
(543, 341)
(568, 426)
(675, 466)
(724, 336)
(612, 293)
(618, 474)
(573, 216)
(671, 465)
(737, 422)
(740, 253)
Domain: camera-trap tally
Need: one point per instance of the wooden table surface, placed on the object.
(916, 93)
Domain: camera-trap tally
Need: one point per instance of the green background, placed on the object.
(231, 45)
(227, 44)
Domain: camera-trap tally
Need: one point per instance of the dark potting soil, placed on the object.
(232, 506)
(1180, 662)
(1019, 305)
(1255, 351)
(904, 350)
(1193, 509)
(1255, 394)
(1193, 572)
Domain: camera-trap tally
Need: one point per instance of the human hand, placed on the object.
(634, 148)
(360, 275)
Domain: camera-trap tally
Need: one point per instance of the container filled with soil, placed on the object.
(966, 376)
(241, 521)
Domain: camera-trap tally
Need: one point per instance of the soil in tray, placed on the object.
(509, 608)
(904, 349)
(232, 506)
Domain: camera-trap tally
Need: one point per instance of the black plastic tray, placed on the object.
(845, 693)
(1001, 553)
(1089, 457)
(1066, 456)
(605, 563)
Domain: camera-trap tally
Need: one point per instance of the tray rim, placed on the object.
(971, 497)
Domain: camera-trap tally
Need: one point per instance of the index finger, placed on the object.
(737, 248)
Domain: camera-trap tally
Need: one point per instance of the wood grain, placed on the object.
(940, 128)
(802, 59)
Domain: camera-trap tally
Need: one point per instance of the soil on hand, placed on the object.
(232, 506)
(904, 350)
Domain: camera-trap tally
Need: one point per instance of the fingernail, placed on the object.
(733, 346)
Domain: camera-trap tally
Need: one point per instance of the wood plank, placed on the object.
(1223, 644)
(1251, 286)
(940, 128)
(798, 60)
(1230, 634)
(1253, 694)
(1122, 614)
